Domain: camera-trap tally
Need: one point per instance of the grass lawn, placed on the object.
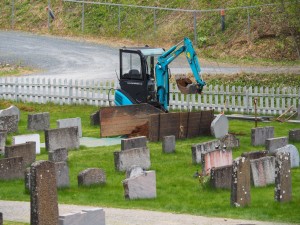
(177, 190)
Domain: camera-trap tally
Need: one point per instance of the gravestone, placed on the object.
(168, 144)
(136, 142)
(134, 171)
(91, 176)
(3, 135)
(220, 177)
(254, 154)
(219, 126)
(94, 216)
(263, 171)
(136, 156)
(70, 122)
(294, 154)
(204, 147)
(62, 138)
(26, 151)
(95, 119)
(9, 119)
(230, 141)
(11, 168)
(283, 178)
(20, 139)
(38, 121)
(240, 183)
(217, 158)
(259, 135)
(58, 155)
(140, 187)
(294, 135)
(62, 174)
(43, 200)
(274, 143)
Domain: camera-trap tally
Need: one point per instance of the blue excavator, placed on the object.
(145, 75)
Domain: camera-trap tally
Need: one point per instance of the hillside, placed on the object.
(265, 33)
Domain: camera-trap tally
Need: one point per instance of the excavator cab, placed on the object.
(137, 76)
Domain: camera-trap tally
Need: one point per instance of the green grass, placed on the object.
(14, 223)
(177, 190)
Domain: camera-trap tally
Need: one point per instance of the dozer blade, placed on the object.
(186, 86)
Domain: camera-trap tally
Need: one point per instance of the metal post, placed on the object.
(119, 19)
(12, 13)
(195, 28)
(48, 15)
(154, 18)
(255, 111)
(249, 25)
(82, 19)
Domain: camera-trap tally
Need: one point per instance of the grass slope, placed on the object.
(177, 190)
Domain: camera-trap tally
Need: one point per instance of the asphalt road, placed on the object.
(64, 58)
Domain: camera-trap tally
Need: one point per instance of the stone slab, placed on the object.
(263, 171)
(85, 217)
(38, 121)
(274, 143)
(220, 177)
(259, 135)
(136, 142)
(43, 194)
(136, 156)
(62, 174)
(254, 154)
(240, 183)
(95, 119)
(283, 178)
(26, 151)
(140, 187)
(294, 154)
(58, 155)
(3, 135)
(294, 135)
(70, 122)
(230, 141)
(62, 138)
(11, 168)
(91, 176)
(9, 123)
(168, 144)
(219, 126)
(11, 111)
(216, 158)
(202, 148)
(20, 139)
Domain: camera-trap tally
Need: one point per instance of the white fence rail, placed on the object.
(235, 99)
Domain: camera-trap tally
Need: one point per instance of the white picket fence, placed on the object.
(235, 99)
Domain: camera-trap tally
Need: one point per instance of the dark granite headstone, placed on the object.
(11, 168)
(294, 135)
(220, 177)
(254, 154)
(95, 118)
(26, 151)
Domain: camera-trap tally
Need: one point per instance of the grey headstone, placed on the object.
(43, 204)
(220, 177)
(62, 138)
(11, 168)
(134, 171)
(58, 155)
(202, 148)
(3, 135)
(62, 174)
(254, 154)
(283, 178)
(263, 171)
(27, 179)
(259, 135)
(136, 156)
(168, 144)
(230, 141)
(95, 119)
(85, 217)
(91, 176)
(70, 122)
(294, 135)
(219, 126)
(240, 183)
(11, 111)
(26, 151)
(294, 154)
(9, 123)
(140, 187)
(136, 142)
(38, 121)
(274, 143)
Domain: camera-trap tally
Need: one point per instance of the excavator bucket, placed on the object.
(186, 86)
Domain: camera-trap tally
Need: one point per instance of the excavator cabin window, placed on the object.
(131, 67)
